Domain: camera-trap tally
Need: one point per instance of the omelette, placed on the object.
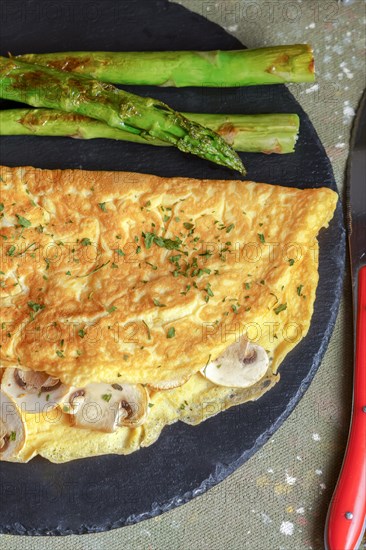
(131, 301)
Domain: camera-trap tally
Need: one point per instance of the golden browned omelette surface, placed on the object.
(113, 276)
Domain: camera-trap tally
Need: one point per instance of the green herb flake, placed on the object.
(81, 333)
(261, 237)
(85, 241)
(59, 353)
(107, 397)
(1, 206)
(291, 261)
(157, 303)
(11, 251)
(230, 228)
(299, 290)
(35, 307)
(111, 309)
(23, 221)
(171, 333)
(13, 436)
(102, 206)
(280, 308)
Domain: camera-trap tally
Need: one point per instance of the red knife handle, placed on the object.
(347, 512)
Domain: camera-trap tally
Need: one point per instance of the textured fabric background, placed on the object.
(278, 500)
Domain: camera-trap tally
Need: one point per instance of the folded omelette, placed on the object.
(130, 301)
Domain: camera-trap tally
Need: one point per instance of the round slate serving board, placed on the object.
(111, 491)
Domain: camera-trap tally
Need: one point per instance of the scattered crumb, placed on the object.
(300, 510)
(313, 88)
(290, 480)
(287, 528)
(319, 472)
(316, 437)
(265, 518)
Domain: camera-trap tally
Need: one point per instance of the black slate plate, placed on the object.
(103, 493)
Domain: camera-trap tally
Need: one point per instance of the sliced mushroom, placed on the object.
(12, 428)
(168, 384)
(33, 390)
(104, 407)
(241, 365)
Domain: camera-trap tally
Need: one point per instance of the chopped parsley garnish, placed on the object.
(111, 309)
(102, 206)
(35, 307)
(291, 261)
(150, 405)
(107, 397)
(157, 303)
(247, 286)
(1, 206)
(188, 225)
(169, 244)
(23, 221)
(94, 270)
(60, 353)
(261, 237)
(208, 290)
(299, 290)
(230, 228)
(120, 252)
(234, 308)
(85, 241)
(81, 333)
(171, 333)
(13, 436)
(280, 308)
(11, 251)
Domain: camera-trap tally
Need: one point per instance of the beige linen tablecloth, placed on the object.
(278, 499)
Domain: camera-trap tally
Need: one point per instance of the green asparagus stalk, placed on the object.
(251, 133)
(150, 118)
(271, 65)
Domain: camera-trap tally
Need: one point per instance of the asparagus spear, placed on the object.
(271, 65)
(251, 133)
(150, 118)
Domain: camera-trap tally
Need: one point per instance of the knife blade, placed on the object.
(347, 511)
(356, 198)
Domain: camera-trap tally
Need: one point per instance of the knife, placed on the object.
(346, 515)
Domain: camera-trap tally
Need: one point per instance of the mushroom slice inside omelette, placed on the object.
(142, 301)
(12, 428)
(32, 390)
